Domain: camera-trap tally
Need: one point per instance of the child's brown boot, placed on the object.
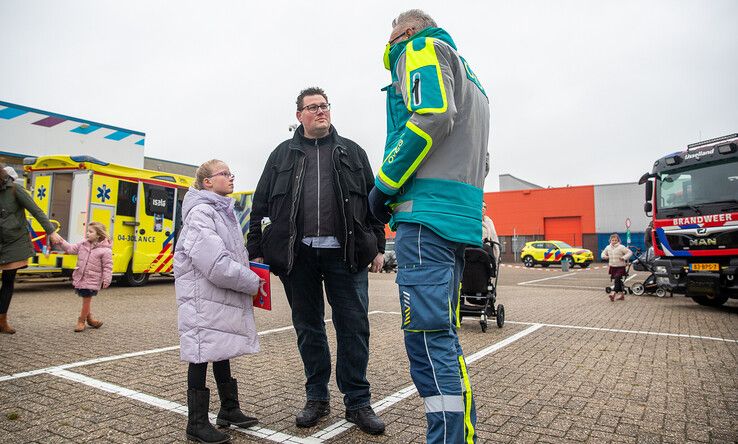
(92, 322)
(4, 326)
(80, 325)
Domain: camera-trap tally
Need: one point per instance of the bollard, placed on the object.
(565, 264)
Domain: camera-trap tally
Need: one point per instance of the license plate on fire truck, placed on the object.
(704, 267)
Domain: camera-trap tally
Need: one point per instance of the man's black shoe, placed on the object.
(366, 420)
(312, 412)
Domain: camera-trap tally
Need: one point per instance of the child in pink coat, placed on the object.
(94, 269)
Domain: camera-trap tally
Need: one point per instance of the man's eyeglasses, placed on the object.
(314, 108)
(392, 42)
(402, 34)
(227, 174)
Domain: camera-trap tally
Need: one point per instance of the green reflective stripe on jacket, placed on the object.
(424, 79)
(415, 145)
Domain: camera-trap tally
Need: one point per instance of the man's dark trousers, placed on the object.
(348, 295)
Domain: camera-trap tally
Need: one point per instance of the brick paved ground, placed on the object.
(580, 368)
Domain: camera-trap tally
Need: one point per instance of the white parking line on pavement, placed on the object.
(618, 330)
(128, 355)
(552, 277)
(87, 362)
(343, 425)
(174, 407)
(570, 287)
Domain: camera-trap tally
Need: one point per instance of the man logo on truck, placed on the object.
(702, 242)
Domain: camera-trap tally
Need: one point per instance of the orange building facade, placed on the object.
(565, 214)
(582, 216)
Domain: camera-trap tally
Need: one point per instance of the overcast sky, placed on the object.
(581, 92)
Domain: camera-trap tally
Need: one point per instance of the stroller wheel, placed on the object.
(608, 290)
(660, 292)
(483, 324)
(500, 315)
(638, 289)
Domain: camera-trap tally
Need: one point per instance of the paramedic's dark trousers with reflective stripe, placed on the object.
(429, 271)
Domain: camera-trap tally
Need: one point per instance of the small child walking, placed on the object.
(617, 255)
(94, 269)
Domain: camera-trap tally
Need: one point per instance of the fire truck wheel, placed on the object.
(713, 301)
(132, 279)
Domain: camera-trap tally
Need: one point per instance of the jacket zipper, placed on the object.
(318, 153)
(343, 208)
(293, 215)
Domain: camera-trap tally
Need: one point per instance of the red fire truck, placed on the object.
(692, 196)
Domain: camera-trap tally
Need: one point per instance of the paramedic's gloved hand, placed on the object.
(377, 205)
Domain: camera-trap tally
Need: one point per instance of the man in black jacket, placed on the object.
(311, 223)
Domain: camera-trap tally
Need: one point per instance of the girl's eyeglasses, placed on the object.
(227, 174)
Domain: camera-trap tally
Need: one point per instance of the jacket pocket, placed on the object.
(275, 247)
(11, 228)
(365, 245)
(425, 298)
(353, 173)
(279, 192)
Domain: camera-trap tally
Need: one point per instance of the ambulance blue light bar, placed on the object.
(88, 159)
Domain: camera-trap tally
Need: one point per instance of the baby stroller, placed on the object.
(479, 287)
(645, 262)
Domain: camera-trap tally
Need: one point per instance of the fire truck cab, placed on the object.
(692, 196)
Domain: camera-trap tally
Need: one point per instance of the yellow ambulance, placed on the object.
(140, 208)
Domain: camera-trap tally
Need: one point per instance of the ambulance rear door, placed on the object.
(154, 235)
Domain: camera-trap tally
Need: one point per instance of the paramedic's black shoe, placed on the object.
(312, 412)
(366, 420)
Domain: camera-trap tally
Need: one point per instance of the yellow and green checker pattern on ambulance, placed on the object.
(550, 252)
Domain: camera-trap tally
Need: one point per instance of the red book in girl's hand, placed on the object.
(262, 299)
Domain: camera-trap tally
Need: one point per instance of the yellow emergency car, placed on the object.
(554, 252)
(140, 208)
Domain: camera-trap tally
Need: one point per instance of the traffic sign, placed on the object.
(627, 222)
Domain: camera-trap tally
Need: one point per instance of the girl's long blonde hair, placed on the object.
(100, 231)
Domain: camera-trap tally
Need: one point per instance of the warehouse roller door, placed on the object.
(566, 229)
